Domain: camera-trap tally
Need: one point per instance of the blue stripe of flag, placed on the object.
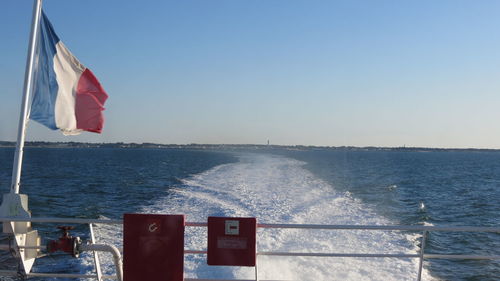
(45, 83)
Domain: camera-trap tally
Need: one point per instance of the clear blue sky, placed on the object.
(383, 73)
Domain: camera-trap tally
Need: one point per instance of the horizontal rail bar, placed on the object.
(460, 257)
(292, 226)
(193, 279)
(60, 220)
(358, 255)
(195, 252)
(67, 275)
(384, 227)
(197, 224)
(352, 255)
(290, 254)
(55, 275)
(64, 275)
(7, 247)
(342, 255)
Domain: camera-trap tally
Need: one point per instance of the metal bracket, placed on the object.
(16, 206)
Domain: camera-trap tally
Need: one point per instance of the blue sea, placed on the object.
(321, 186)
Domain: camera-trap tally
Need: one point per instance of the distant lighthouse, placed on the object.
(267, 142)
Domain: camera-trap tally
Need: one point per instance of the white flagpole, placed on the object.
(28, 87)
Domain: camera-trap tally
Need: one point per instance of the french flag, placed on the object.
(66, 94)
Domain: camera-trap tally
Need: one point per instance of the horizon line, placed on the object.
(260, 145)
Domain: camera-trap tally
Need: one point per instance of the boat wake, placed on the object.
(276, 189)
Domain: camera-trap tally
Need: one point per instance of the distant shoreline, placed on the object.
(43, 144)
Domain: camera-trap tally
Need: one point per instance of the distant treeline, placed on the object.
(225, 146)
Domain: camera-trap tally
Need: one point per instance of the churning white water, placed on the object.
(276, 189)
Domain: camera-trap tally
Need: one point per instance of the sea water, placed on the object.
(277, 186)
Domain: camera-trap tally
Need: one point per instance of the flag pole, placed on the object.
(28, 87)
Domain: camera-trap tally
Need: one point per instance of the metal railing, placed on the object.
(421, 255)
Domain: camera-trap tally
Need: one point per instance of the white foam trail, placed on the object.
(278, 190)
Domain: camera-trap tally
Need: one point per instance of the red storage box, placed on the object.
(231, 241)
(153, 247)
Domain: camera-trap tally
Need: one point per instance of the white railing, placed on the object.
(421, 255)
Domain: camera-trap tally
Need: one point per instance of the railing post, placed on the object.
(421, 260)
(256, 269)
(96, 256)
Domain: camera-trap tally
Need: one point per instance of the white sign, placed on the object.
(232, 227)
